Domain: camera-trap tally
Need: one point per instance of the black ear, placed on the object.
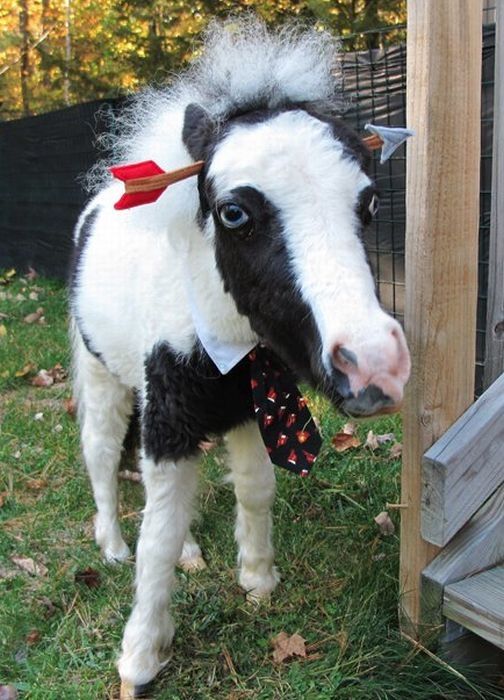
(198, 131)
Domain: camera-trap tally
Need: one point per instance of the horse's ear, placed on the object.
(198, 131)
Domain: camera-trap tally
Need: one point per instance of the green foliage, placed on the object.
(110, 47)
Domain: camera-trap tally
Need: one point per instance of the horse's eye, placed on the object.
(232, 216)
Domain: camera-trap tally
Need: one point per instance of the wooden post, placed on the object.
(494, 353)
(443, 107)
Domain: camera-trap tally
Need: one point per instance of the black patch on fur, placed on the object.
(74, 268)
(84, 235)
(257, 272)
(188, 400)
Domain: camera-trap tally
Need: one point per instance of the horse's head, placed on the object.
(286, 194)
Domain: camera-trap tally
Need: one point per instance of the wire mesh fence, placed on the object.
(376, 82)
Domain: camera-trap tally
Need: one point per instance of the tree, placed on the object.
(52, 52)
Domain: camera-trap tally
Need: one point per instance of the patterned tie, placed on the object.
(286, 424)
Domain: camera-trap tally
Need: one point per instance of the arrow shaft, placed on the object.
(158, 182)
(373, 142)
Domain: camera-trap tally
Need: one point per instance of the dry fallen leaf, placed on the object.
(7, 276)
(31, 274)
(43, 378)
(35, 317)
(371, 441)
(3, 333)
(343, 441)
(89, 577)
(32, 637)
(374, 441)
(27, 369)
(207, 445)
(128, 475)
(36, 484)
(385, 523)
(27, 564)
(33, 296)
(70, 407)
(3, 497)
(349, 428)
(8, 692)
(286, 646)
(396, 450)
(342, 640)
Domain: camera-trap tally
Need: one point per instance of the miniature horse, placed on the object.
(265, 245)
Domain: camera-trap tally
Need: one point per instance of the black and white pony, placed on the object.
(265, 245)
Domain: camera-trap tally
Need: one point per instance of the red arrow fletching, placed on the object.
(146, 181)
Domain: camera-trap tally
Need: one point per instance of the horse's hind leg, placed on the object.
(104, 408)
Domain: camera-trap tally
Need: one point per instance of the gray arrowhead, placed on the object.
(392, 138)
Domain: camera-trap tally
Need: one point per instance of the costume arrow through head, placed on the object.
(145, 182)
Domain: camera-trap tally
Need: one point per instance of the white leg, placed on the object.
(104, 408)
(254, 482)
(170, 490)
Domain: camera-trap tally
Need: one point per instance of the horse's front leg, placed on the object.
(170, 490)
(254, 481)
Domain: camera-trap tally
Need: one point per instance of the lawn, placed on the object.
(60, 635)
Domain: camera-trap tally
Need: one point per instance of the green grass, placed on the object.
(339, 585)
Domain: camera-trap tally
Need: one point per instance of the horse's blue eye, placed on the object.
(233, 216)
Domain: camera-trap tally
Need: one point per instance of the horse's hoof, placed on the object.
(192, 564)
(134, 692)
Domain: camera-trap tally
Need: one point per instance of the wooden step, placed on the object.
(464, 467)
(477, 603)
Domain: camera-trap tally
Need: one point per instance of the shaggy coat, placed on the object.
(265, 245)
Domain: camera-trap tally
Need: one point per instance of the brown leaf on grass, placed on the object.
(371, 441)
(31, 567)
(3, 497)
(36, 484)
(89, 577)
(349, 428)
(8, 692)
(374, 441)
(343, 441)
(385, 523)
(287, 646)
(48, 377)
(42, 379)
(58, 373)
(396, 450)
(8, 276)
(207, 445)
(27, 369)
(129, 475)
(70, 407)
(32, 637)
(35, 317)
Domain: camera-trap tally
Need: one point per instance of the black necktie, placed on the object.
(286, 424)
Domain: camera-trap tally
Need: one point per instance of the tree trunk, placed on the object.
(24, 64)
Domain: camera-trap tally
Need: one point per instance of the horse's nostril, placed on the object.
(343, 359)
(368, 401)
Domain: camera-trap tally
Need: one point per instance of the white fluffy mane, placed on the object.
(241, 65)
